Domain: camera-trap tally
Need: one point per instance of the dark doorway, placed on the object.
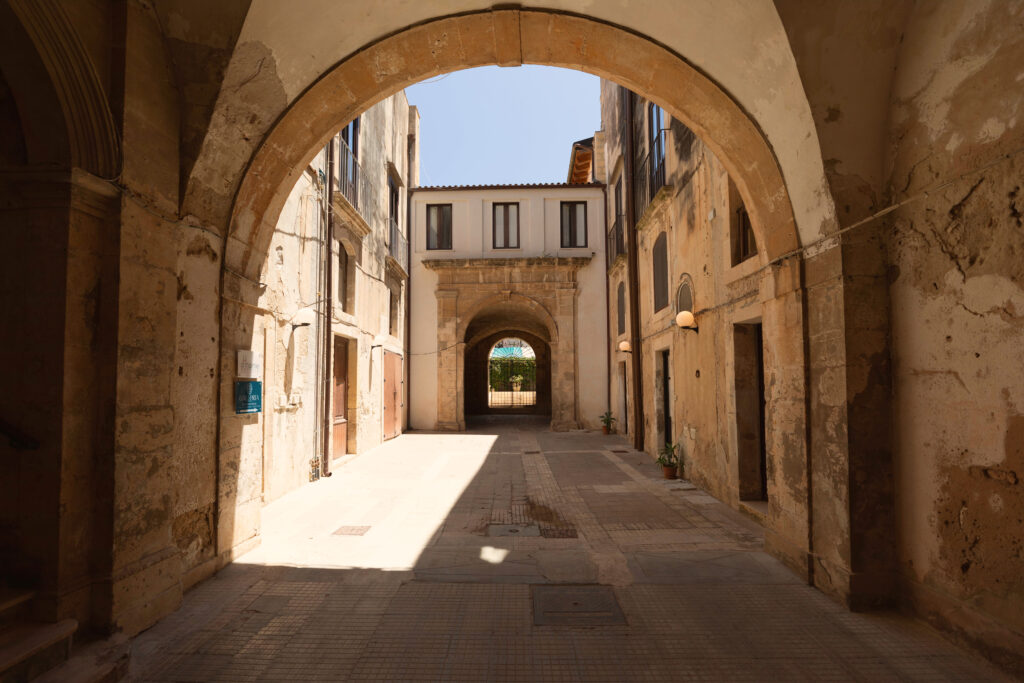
(748, 345)
(491, 383)
(339, 437)
(623, 401)
(666, 395)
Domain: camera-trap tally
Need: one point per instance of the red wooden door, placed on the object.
(393, 395)
(339, 438)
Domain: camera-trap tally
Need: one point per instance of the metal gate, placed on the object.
(512, 383)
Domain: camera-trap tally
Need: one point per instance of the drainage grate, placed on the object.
(351, 530)
(513, 530)
(558, 532)
(616, 450)
(576, 606)
(528, 452)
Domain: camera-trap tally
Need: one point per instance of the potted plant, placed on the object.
(668, 458)
(517, 382)
(607, 420)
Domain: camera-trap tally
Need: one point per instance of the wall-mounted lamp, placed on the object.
(304, 317)
(625, 347)
(685, 320)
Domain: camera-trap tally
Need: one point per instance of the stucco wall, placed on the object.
(291, 273)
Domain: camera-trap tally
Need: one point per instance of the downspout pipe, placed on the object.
(325, 465)
(607, 310)
(632, 268)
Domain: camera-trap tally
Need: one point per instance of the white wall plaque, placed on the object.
(250, 364)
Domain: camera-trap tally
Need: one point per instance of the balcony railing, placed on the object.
(649, 175)
(352, 182)
(617, 239)
(398, 246)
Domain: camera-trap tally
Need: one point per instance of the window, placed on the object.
(621, 295)
(655, 140)
(350, 134)
(660, 257)
(743, 244)
(393, 211)
(439, 226)
(574, 224)
(505, 226)
(393, 310)
(741, 232)
(341, 277)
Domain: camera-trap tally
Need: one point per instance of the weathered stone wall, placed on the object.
(292, 272)
(956, 274)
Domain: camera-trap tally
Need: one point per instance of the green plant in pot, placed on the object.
(608, 422)
(668, 458)
(517, 382)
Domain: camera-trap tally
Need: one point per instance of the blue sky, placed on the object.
(497, 125)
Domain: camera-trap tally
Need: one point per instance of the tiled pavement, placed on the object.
(458, 557)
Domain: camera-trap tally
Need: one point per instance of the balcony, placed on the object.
(398, 249)
(354, 197)
(616, 239)
(649, 175)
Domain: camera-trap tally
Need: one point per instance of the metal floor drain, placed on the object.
(531, 451)
(616, 450)
(558, 532)
(555, 605)
(351, 530)
(513, 530)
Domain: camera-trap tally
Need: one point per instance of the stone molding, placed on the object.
(495, 264)
(92, 135)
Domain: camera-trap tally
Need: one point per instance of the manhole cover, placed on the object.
(513, 530)
(576, 606)
(351, 530)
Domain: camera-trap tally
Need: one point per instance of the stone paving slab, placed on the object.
(426, 594)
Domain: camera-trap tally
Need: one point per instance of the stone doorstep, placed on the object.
(13, 604)
(105, 661)
(29, 649)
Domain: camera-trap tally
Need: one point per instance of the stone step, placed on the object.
(28, 649)
(104, 661)
(14, 604)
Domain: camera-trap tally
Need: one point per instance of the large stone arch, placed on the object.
(506, 37)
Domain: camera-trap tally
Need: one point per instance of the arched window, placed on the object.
(660, 257)
(622, 307)
(684, 295)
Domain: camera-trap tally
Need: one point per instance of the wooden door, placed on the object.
(393, 391)
(339, 438)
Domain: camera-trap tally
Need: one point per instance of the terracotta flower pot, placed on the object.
(605, 429)
(669, 470)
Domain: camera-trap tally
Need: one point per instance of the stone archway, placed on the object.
(476, 366)
(507, 38)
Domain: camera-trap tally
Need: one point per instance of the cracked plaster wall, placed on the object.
(956, 275)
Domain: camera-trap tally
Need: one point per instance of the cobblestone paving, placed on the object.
(426, 592)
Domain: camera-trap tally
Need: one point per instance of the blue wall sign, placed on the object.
(248, 396)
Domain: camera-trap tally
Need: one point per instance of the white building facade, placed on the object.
(492, 262)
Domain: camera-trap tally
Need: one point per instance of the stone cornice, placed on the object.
(571, 262)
